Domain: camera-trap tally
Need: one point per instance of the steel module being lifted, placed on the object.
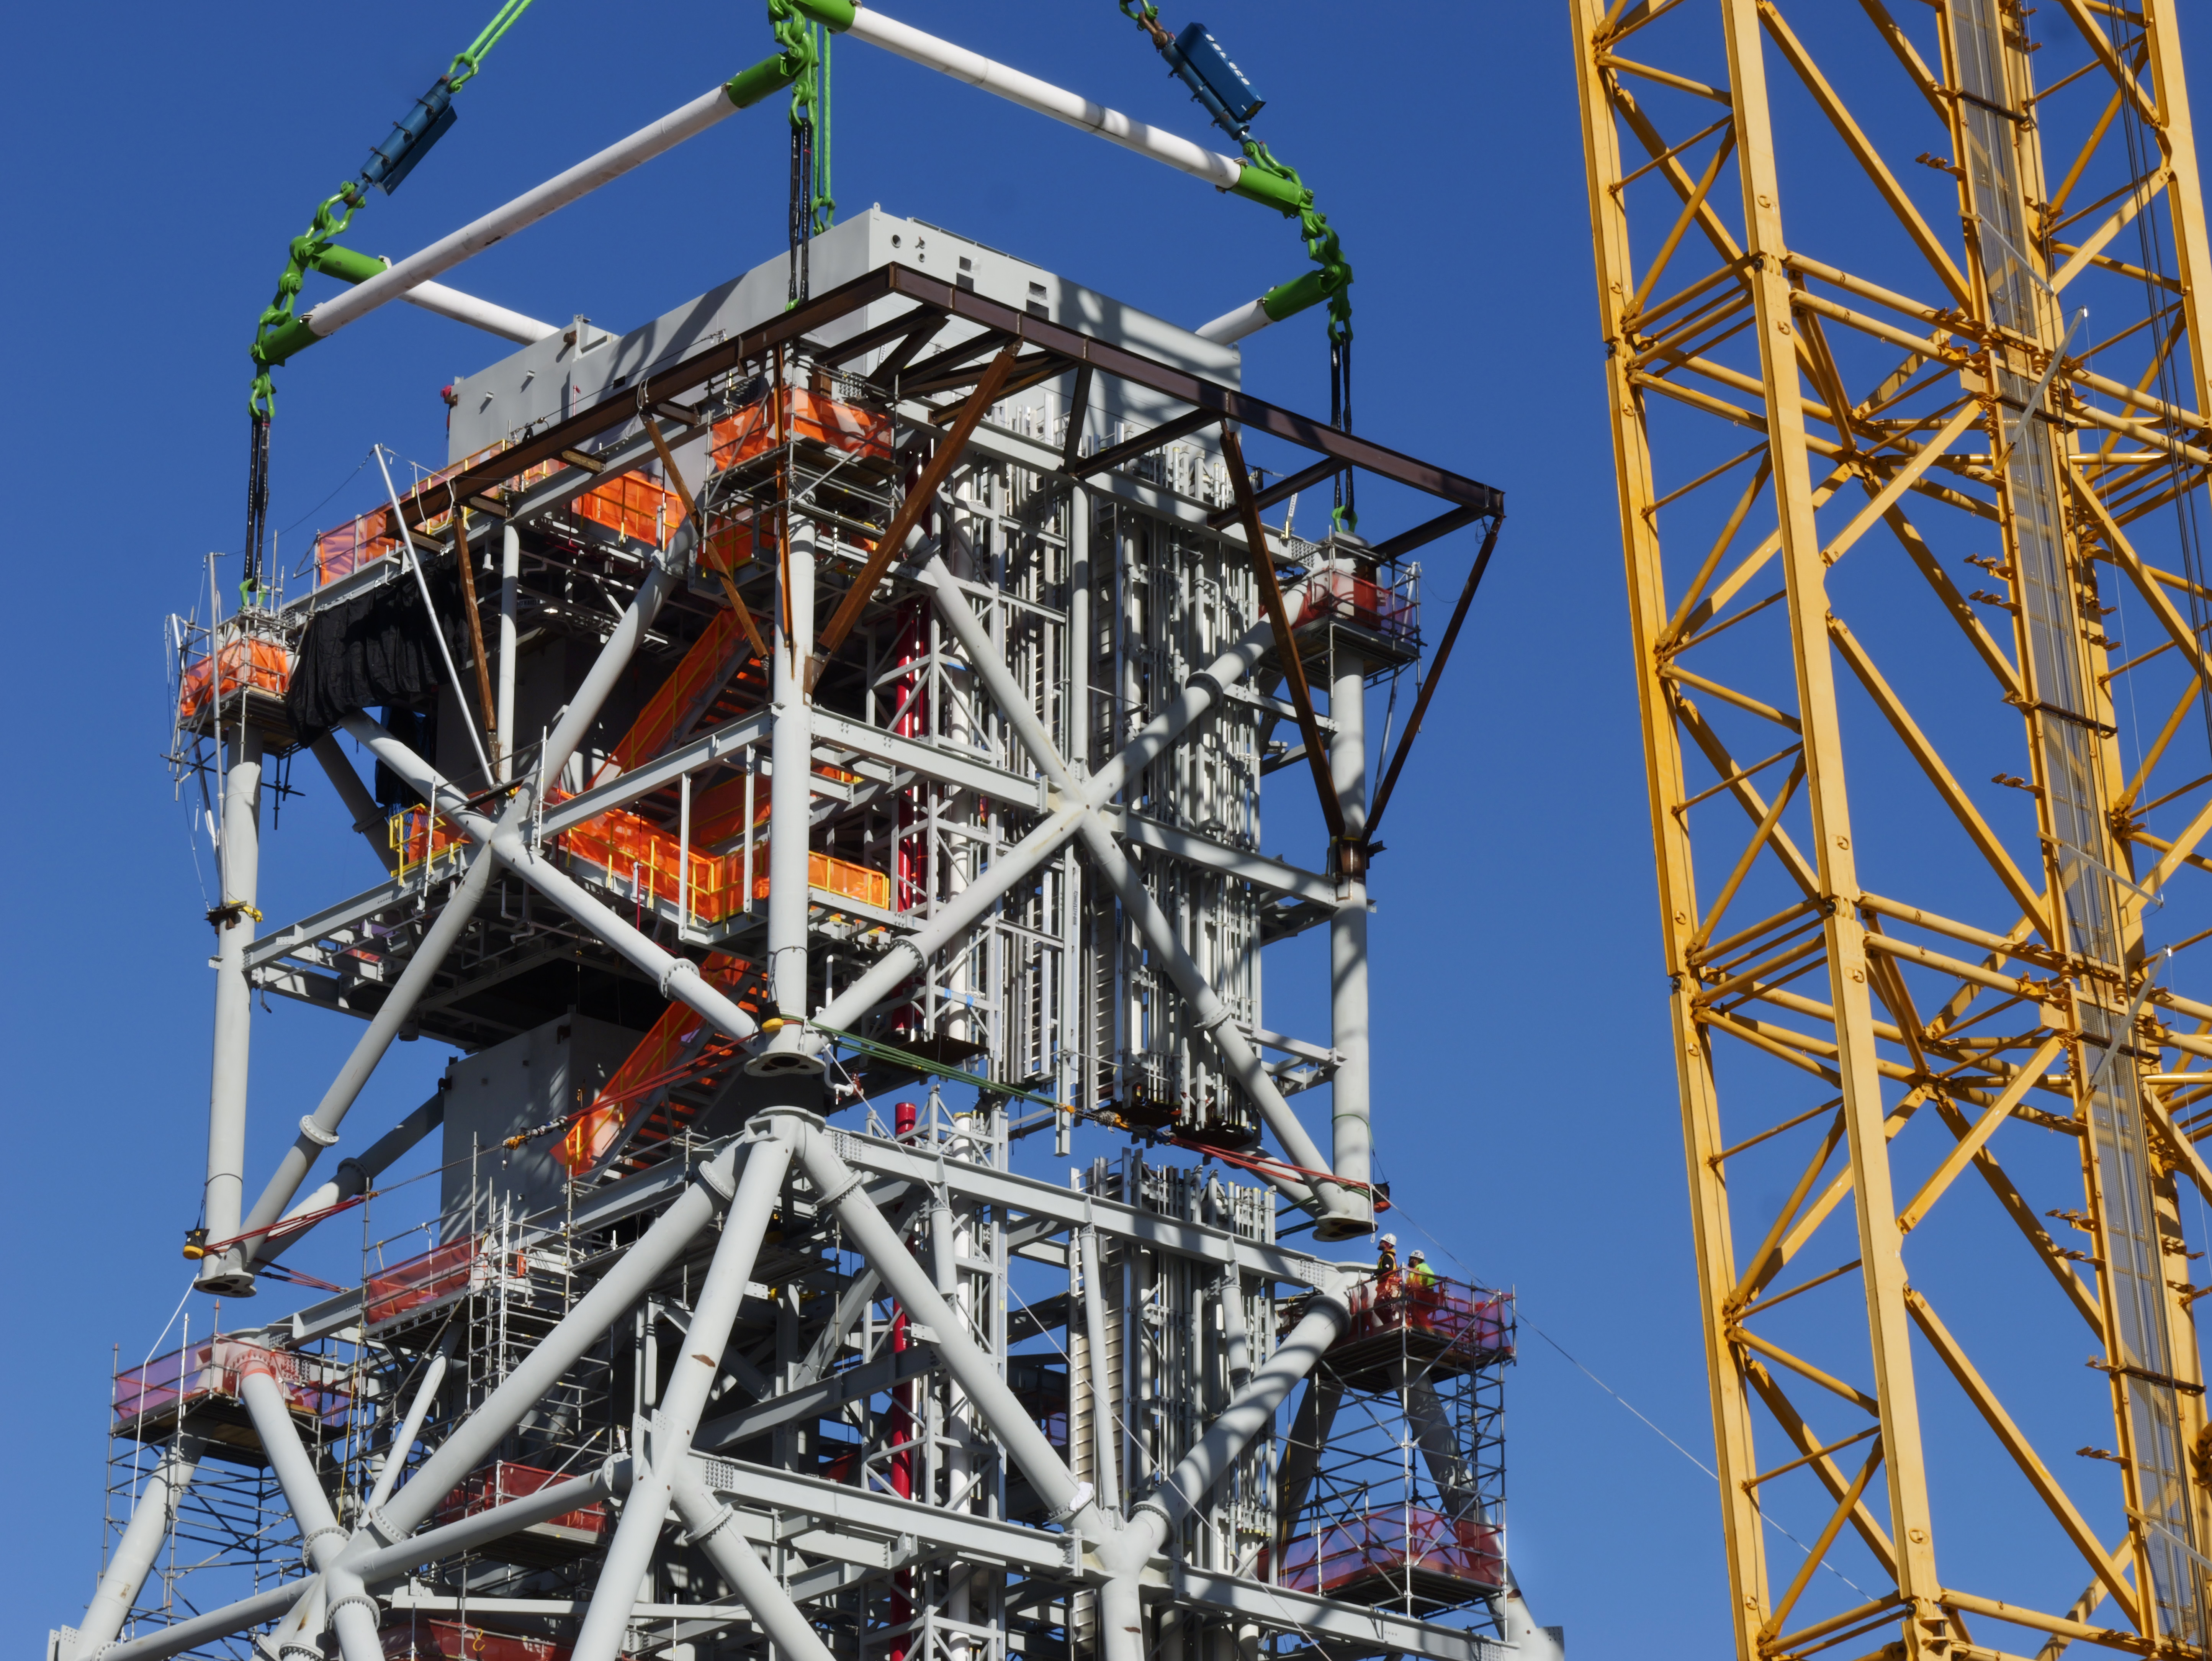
(817, 757)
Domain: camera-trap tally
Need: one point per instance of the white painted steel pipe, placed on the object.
(320, 1129)
(478, 314)
(584, 706)
(140, 1545)
(699, 1364)
(395, 1457)
(352, 1613)
(239, 861)
(708, 1521)
(368, 817)
(1250, 1413)
(357, 1172)
(378, 1565)
(1352, 1134)
(1232, 326)
(1212, 1016)
(1102, 1383)
(524, 212)
(910, 954)
(510, 609)
(474, 1439)
(1075, 1504)
(1031, 93)
(193, 1631)
(678, 978)
(791, 788)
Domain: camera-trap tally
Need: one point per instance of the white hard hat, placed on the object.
(1389, 1239)
(1416, 1256)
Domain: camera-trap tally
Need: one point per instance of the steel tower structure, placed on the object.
(775, 708)
(1917, 602)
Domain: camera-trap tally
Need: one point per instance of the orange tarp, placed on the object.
(633, 505)
(440, 1273)
(342, 551)
(1351, 1556)
(417, 835)
(751, 431)
(263, 665)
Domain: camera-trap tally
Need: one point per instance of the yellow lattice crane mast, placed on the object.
(1907, 388)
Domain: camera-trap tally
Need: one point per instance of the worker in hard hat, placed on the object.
(1418, 1270)
(1385, 1266)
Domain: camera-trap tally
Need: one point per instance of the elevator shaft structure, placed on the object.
(1907, 386)
(809, 756)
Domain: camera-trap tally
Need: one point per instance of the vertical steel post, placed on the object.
(510, 604)
(240, 863)
(790, 789)
(1102, 1383)
(1352, 1131)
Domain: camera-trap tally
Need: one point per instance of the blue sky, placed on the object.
(159, 168)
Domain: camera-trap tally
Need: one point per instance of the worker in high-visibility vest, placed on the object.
(1386, 1265)
(1418, 1270)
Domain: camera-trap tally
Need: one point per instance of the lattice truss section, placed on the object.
(1918, 606)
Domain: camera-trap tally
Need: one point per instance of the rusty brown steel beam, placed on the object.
(910, 510)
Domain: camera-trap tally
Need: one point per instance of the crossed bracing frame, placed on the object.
(1076, 807)
(1815, 435)
(788, 1163)
(505, 830)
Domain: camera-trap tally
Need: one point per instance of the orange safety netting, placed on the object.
(212, 1367)
(650, 1069)
(262, 665)
(635, 506)
(1466, 1319)
(346, 549)
(636, 851)
(414, 1636)
(502, 1480)
(831, 875)
(752, 430)
(731, 541)
(1382, 1546)
(441, 1272)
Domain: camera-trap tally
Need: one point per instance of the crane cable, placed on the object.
(388, 163)
(806, 53)
(1333, 274)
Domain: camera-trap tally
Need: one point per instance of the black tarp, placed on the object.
(379, 649)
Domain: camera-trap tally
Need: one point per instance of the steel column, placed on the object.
(240, 868)
(1352, 1132)
(140, 1545)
